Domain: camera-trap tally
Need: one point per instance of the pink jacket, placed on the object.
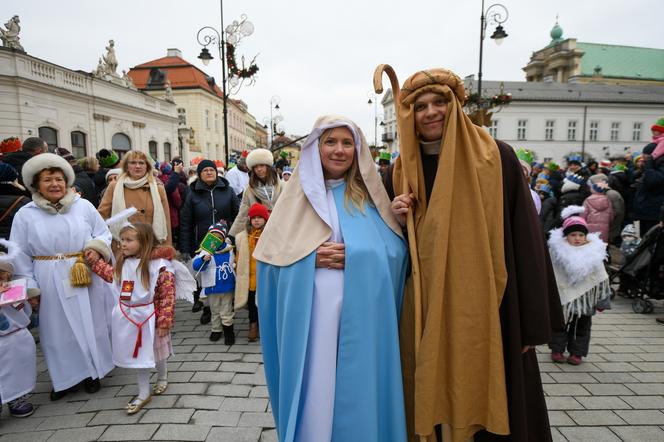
(598, 214)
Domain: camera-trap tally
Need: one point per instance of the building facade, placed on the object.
(261, 135)
(389, 137)
(80, 112)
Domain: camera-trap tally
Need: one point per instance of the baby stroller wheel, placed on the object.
(649, 306)
(639, 306)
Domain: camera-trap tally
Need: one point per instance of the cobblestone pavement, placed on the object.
(218, 393)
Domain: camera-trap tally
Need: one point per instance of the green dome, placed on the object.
(556, 32)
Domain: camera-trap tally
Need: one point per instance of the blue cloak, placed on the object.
(368, 402)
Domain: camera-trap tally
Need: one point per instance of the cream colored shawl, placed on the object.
(159, 223)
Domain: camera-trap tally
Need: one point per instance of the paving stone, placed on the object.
(603, 403)
(565, 390)
(649, 366)
(175, 377)
(186, 388)
(129, 432)
(187, 357)
(162, 402)
(244, 404)
(32, 436)
(77, 434)
(212, 376)
(239, 367)
(107, 404)
(60, 422)
(184, 433)
(234, 434)
(649, 377)
(607, 389)
(164, 415)
(199, 366)
(614, 378)
(259, 391)
(559, 418)
(595, 417)
(556, 436)
(116, 417)
(216, 418)
(253, 357)
(224, 357)
(8, 425)
(120, 380)
(249, 379)
(58, 409)
(642, 417)
(252, 419)
(572, 378)
(646, 389)
(645, 402)
(639, 433)
(586, 434)
(229, 390)
(199, 402)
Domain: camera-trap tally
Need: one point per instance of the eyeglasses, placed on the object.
(136, 163)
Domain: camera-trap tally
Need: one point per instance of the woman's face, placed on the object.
(209, 175)
(261, 171)
(137, 168)
(52, 185)
(430, 109)
(337, 152)
(112, 179)
(129, 243)
(95, 167)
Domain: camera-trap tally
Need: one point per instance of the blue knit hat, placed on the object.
(7, 173)
(220, 228)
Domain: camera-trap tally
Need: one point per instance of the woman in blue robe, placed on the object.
(331, 269)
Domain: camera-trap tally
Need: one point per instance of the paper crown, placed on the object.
(525, 155)
(552, 166)
(574, 159)
(574, 178)
(384, 155)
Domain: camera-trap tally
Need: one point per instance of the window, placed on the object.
(167, 151)
(521, 126)
(571, 130)
(182, 116)
(207, 150)
(49, 135)
(636, 132)
(615, 130)
(216, 122)
(493, 129)
(121, 143)
(548, 130)
(594, 129)
(207, 119)
(78, 146)
(152, 148)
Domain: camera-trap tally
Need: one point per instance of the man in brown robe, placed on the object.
(481, 293)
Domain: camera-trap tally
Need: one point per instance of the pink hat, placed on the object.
(574, 224)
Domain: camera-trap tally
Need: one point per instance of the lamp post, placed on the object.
(274, 104)
(494, 14)
(373, 99)
(210, 36)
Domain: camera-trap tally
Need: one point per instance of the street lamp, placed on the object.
(208, 35)
(494, 14)
(373, 99)
(274, 104)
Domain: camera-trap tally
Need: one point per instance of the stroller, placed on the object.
(642, 275)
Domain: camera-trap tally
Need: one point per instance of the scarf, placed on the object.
(451, 338)
(60, 207)
(158, 215)
(580, 274)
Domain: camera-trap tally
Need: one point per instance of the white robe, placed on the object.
(237, 179)
(125, 332)
(18, 355)
(73, 322)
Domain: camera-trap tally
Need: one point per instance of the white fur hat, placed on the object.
(259, 156)
(43, 161)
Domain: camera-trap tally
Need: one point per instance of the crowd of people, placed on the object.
(392, 299)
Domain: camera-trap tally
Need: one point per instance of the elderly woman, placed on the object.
(330, 291)
(137, 187)
(53, 232)
(264, 186)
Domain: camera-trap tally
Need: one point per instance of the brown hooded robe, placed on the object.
(445, 355)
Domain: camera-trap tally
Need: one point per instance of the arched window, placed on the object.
(152, 147)
(121, 143)
(49, 135)
(167, 151)
(78, 144)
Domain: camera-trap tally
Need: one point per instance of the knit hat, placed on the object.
(204, 164)
(220, 228)
(166, 168)
(259, 156)
(619, 168)
(572, 182)
(36, 164)
(7, 173)
(113, 172)
(605, 164)
(64, 153)
(108, 158)
(551, 166)
(544, 188)
(526, 159)
(287, 170)
(659, 125)
(574, 159)
(572, 222)
(258, 209)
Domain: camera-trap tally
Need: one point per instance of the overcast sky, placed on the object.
(319, 57)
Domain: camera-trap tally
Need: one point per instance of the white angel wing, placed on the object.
(185, 284)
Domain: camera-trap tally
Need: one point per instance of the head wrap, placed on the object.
(466, 208)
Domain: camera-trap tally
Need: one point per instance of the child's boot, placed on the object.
(574, 360)
(253, 331)
(229, 335)
(558, 358)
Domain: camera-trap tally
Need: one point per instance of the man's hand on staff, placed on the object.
(331, 255)
(401, 205)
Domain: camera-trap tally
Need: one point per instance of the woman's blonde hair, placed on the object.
(356, 194)
(147, 243)
(136, 154)
(88, 163)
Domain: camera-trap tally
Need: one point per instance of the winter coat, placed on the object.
(8, 195)
(203, 207)
(171, 183)
(650, 194)
(572, 198)
(549, 214)
(249, 198)
(224, 274)
(243, 268)
(17, 160)
(618, 204)
(85, 186)
(141, 200)
(598, 214)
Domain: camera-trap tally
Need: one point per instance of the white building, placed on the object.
(390, 137)
(80, 112)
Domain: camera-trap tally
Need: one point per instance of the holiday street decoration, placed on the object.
(235, 32)
(479, 109)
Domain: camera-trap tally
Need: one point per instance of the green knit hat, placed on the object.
(525, 155)
(384, 155)
(659, 125)
(551, 166)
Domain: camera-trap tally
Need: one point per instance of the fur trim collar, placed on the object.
(65, 203)
(44, 161)
(163, 252)
(577, 262)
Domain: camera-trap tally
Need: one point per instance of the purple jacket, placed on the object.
(598, 214)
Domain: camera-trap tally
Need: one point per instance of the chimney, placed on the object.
(173, 52)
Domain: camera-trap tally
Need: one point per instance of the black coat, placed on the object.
(85, 186)
(17, 160)
(549, 214)
(8, 195)
(203, 207)
(650, 194)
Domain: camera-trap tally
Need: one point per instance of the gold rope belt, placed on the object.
(59, 256)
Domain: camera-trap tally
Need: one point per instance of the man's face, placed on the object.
(430, 110)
